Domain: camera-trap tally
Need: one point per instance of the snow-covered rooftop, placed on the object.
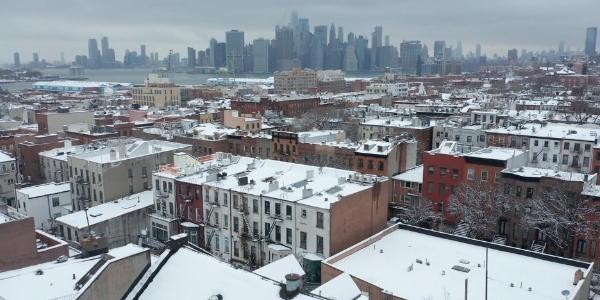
(414, 174)
(4, 157)
(109, 210)
(375, 147)
(532, 172)
(56, 280)
(341, 287)
(495, 153)
(417, 264)
(200, 276)
(278, 269)
(552, 131)
(134, 148)
(45, 189)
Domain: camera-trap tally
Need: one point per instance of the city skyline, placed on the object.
(409, 20)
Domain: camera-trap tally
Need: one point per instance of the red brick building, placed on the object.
(29, 159)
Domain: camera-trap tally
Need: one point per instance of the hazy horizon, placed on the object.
(52, 27)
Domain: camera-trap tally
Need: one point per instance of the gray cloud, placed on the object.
(52, 26)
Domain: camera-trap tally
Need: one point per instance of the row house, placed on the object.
(472, 135)
(566, 147)
(270, 209)
(393, 127)
(406, 191)
(452, 164)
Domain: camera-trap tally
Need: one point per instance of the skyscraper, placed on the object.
(459, 50)
(284, 48)
(17, 59)
(477, 51)
(191, 57)
(561, 48)
(321, 34)
(104, 48)
(377, 38)
(410, 53)
(143, 57)
(340, 35)
(361, 45)
(387, 40)
(260, 55)
(36, 59)
(590, 41)
(439, 50)
(332, 40)
(234, 50)
(93, 54)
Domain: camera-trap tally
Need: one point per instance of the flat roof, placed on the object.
(133, 147)
(391, 263)
(541, 172)
(45, 189)
(495, 153)
(108, 210)
(4, 157)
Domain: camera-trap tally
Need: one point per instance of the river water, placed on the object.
(135, 76)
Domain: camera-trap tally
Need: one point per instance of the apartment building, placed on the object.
(296, 80)
(8, 178)
(44, 203)
(257, 211)
(111, 169)
(450, 165)
(567, 147)
(385, 157)
(32, 169)
(472, 135)
(53, 122)
(158, 91)
(121, 221)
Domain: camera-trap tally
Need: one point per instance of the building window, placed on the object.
(471, 174)
(278, 209)
(529, 193)
(566, 146)
(430, 187)
(277, 233)
(159, 232)
(442, 188)
(443, 171)
(380, 166)
(130, 173)
(302, 240)
(518, 191)
(370, 164)
(319, 245)
(484, 175)
(587, 147)
(144, 172)
(267, 207)
(55, 202)
(319, 219)
(288, 236)
(430, 170)
(555, 158)
(255, 206)
(236, 224)
(565, 159)
(288, 211)
(226, 245)
(580, 247)
(586, 162)
(535, 143)
(235, 201)
(303, 213)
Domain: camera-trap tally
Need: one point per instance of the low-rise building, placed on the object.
(120, 221)
(296, 80)
(21, 245)
(8, 178)
(44, 203)
(158, 91)
(417, 256)
(53, 122)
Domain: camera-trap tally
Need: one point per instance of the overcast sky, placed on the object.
(52, 26)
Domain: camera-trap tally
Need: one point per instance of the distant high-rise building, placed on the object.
(351, 38)
(590, 41)
(410, 54)
(424, 52)
(478, 51)
(439, 50)
(350, 60)
(62, 58)
(284, 49)
(104, 48)
(36, 60)
(332, 39)
(321, 34)
(459, 50)
(361, 47)
(234, 43)
(143, 57)
(387, 40)
(94, 59)
(220, 55)
(377, 37)
(513, 55)
(561, 48)
(191, 57)
(340, 35)
(260, 56)
(16, 59)
(211, 55)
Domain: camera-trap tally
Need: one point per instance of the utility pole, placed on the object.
(487, 262)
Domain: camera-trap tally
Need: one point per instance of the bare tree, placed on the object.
(420, 213)
(479, 205)
(561, 216)
(582, 112)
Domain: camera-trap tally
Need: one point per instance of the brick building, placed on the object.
(29, 160)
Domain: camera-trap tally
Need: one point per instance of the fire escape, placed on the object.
(207, 224)
(245, 236)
